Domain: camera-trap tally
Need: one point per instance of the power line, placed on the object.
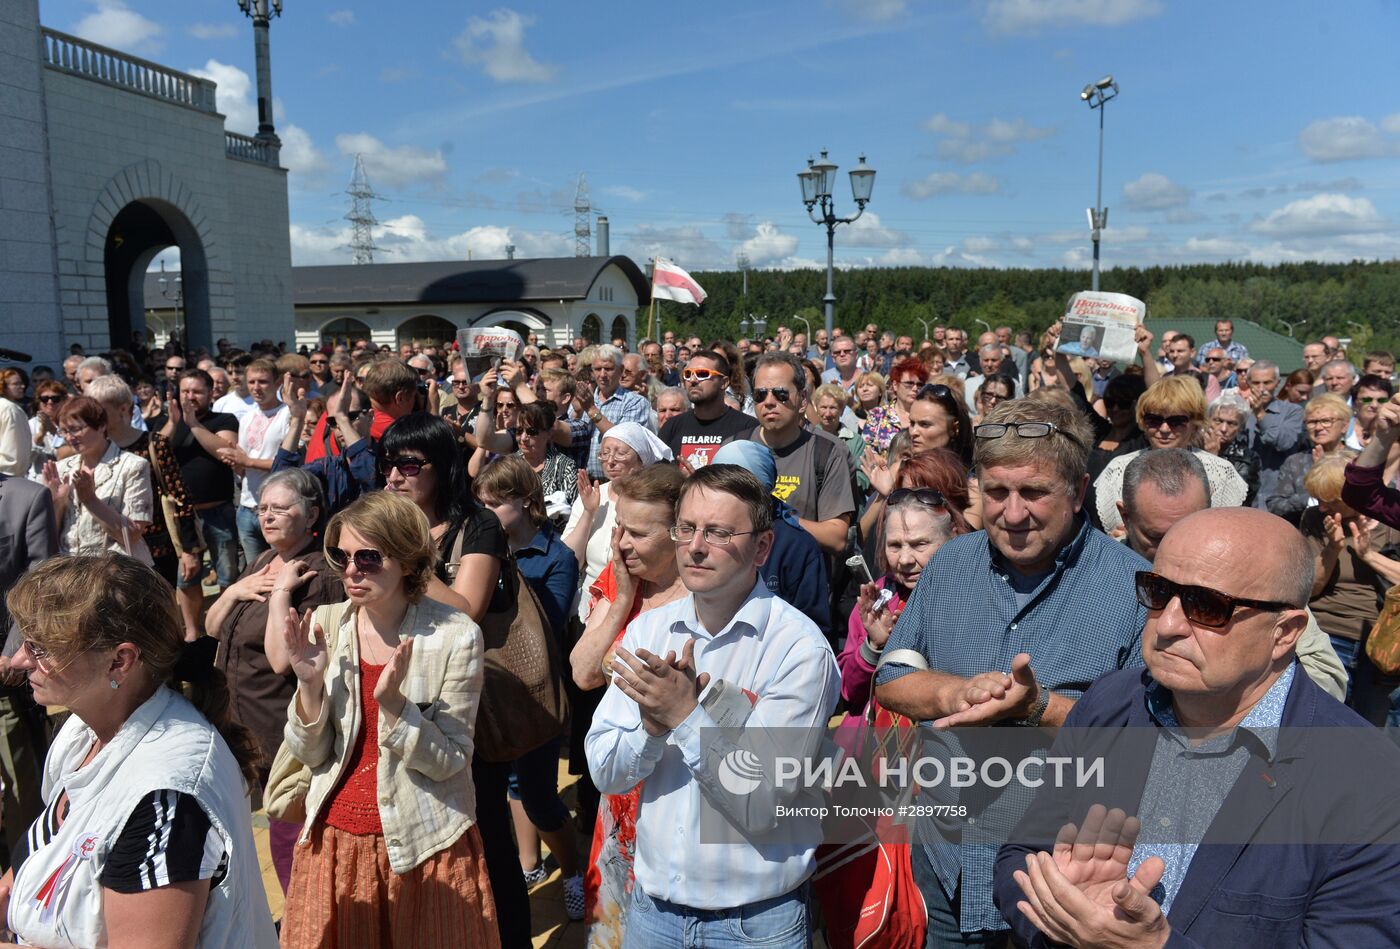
(361, 216)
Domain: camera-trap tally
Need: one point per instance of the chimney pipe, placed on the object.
(603, 249)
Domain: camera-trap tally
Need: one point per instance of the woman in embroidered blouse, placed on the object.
(557, 471)
(384, 713)
(886, 421)
(102, 496)
(146, 840)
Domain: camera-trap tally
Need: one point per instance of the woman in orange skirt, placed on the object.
(387, 692)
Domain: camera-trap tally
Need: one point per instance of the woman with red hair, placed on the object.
(886, 421)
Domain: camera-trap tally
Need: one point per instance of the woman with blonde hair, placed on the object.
(1171, 414)
(146, 837)
(383, 715)
(869, 392)
(1325, 420)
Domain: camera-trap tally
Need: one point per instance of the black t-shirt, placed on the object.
(696, 441)
(206, 478)
(480, 532)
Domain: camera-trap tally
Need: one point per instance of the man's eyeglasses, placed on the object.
(1153, 420)
(781, 393)
(408, 467)
(843, 352)
(1022, 430)
(174, 368)
(700, 374)
(366, 559)
(1118, 405)
(461, 383)
(925, 496)
(715, 536)
(425, 373)
(320, 362)
(1202, 605)
(1371, 399)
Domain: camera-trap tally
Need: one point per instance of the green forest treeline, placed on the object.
(1358, 300)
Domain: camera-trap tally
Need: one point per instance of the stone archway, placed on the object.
(426, 328)
(620, 330)
(143, 210)
(345, 330)
(592, 329)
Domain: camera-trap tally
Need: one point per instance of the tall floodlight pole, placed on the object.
(261, 12)
(817, 180)
(1096, 94)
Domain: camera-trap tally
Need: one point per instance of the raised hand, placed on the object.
(512, 374)
(1336, 532)
(878, 470)
(58, 488)
(1144, 338)
(588, 493)
(294, 574)
(995, 696)
(293, 398)
(83, 484)
(1388, 420)
(173, 411)
(306, 648)
(878, 623)
(622, 577)
(388, 690)
(1081, 894)
(1360, 536)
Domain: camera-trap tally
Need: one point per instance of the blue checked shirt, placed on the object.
(624, 405)
(1081, 622)
(1235, 351)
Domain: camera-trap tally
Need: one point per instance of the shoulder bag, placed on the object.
(1383, 645)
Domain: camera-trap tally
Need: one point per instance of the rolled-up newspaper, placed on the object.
(484, 348)
(1101, 326)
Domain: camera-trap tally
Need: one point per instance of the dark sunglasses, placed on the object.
(51, 399)
(1202, 605)
(320, 362)
(781, 393)
(1115, 405)
(1153, 420)
(1371, 399)
(926, 496)
(935, 390)
(353, 415)
(367, 559)
(408, 467)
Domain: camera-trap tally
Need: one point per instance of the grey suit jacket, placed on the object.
(28, 534)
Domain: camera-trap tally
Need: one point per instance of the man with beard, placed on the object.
(695, 436)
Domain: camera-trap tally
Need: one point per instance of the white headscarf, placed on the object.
(640, 439)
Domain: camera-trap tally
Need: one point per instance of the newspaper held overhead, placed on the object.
(1101, 326)
(484, 348)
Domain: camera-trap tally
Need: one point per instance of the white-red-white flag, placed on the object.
(669, 282)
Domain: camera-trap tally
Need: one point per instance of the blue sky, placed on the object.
(1244, 130)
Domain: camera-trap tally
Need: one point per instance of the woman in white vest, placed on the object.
(146, 837)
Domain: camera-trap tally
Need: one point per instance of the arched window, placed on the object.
(620, 330)
(425, 329)
(593, 329)
(345, 330)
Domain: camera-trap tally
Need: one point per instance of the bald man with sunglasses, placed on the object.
(1240, 815)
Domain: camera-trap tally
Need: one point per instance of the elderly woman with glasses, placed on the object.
(1171, 414)
(293, 574)
(1227, 436)
(102, 496)
(1325, 421)
(146, 838)
(1371, 392)
(883, 422)
(993, 391)
(626, 449)
(384, 716)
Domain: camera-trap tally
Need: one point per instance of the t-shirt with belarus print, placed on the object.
(695, 440)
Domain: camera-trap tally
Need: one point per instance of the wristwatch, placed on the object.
(594, 415)
(1038, 709)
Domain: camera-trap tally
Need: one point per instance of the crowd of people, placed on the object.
(383, 601)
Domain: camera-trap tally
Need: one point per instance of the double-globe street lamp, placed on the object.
(817, 180)
(757, 325)
(1096, 94)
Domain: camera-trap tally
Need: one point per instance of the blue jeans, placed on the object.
(250, 535)
(943, 929)
(534, 782)
(783, 922)
(1347, 650)
(220, 532)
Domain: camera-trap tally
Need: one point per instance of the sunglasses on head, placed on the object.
(408, 467)
(367, 559)
(936, 390)
(1202, 605)
(700, 374)
(1153, 420)
(781, 393)
(925, 496)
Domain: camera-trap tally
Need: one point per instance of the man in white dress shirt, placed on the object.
(710, 862)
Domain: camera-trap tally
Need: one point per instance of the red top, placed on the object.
(354, 806)
(315, 448)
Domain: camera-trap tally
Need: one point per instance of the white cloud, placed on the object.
(901, 257)
(769, 244)
(116, 25)
(624, 192)
(1025, 16)
(342, 17)
(967, 143)
(300, 155)
(393, 167)
(234, 97)
(1322, 215)
(867, 231)
(1155, 192)
(878, 10)
(1349, 137)
(497, 44)
(686, 244)
(213, 31)
(406, 238)
(1214, 247)
(981, 245)
(950, 182)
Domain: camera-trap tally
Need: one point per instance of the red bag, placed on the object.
(866, 888)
